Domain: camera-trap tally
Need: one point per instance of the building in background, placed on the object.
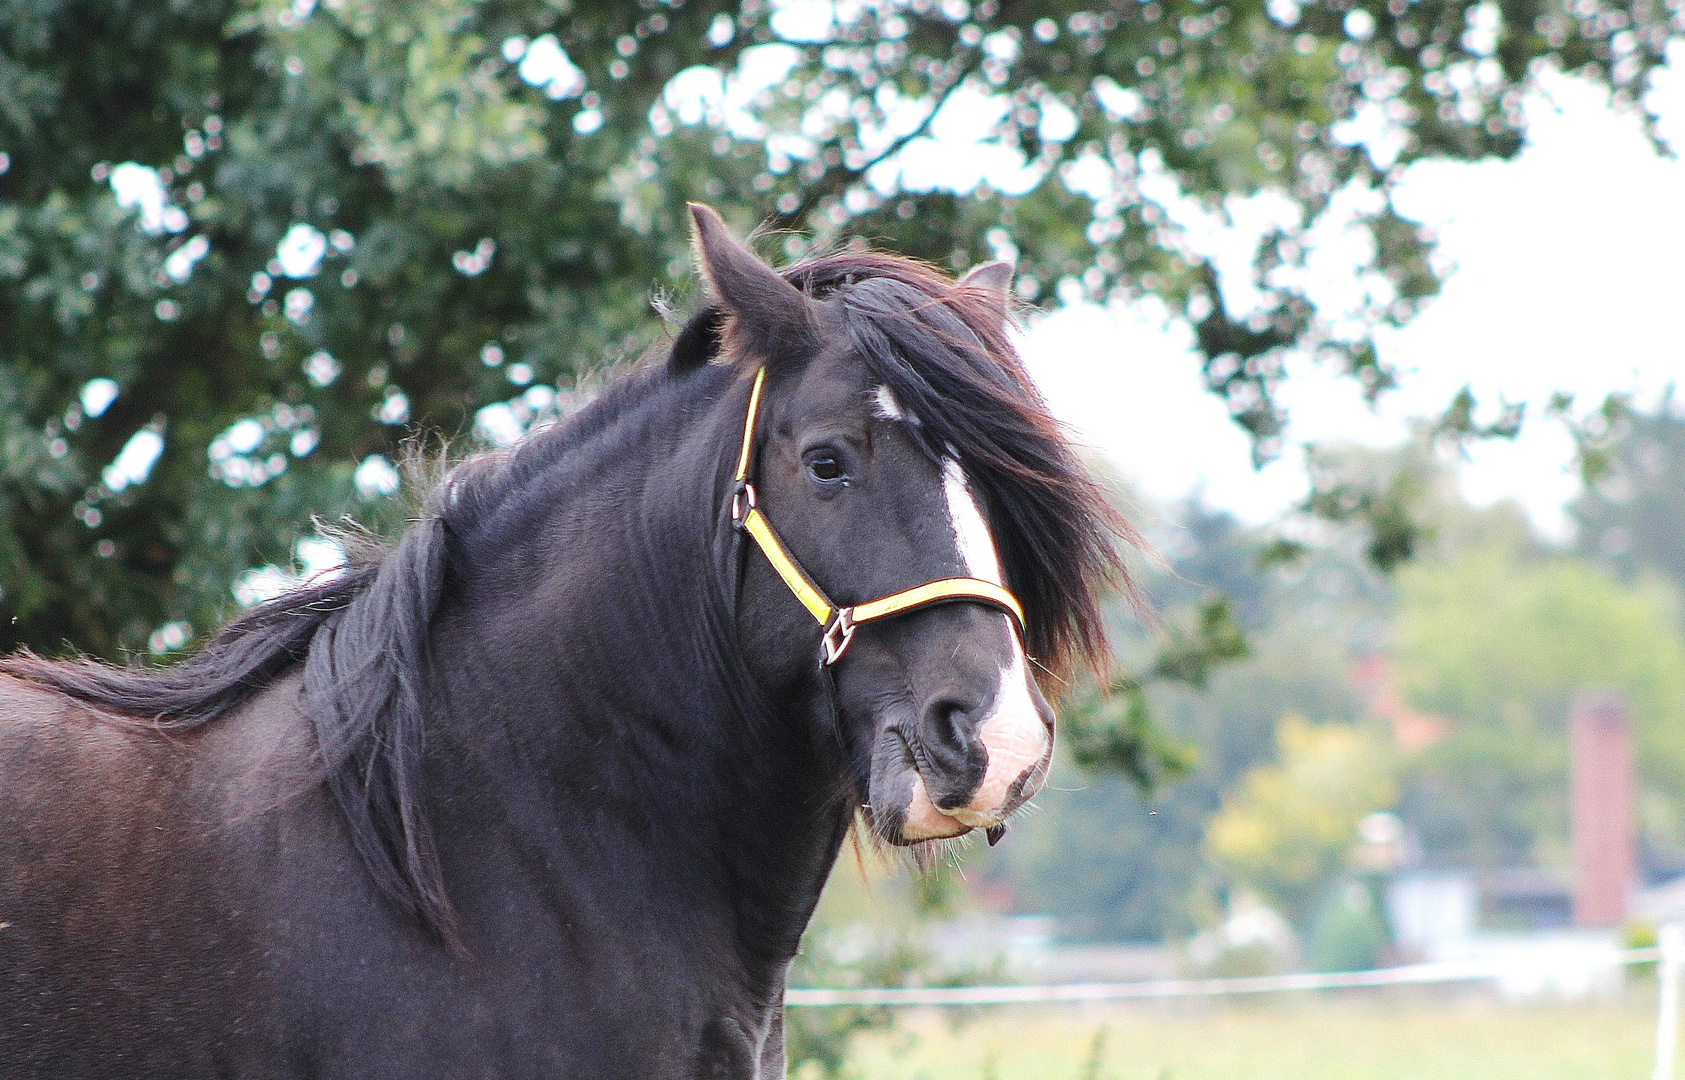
(1432, 912)
(1604, 834)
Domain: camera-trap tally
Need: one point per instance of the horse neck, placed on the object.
(594, 671)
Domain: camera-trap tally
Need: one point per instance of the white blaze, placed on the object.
(971, 532)
(1013, 733)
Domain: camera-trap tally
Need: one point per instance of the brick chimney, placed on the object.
(1604, 833)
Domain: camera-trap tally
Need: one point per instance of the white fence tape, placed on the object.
(1411, 974)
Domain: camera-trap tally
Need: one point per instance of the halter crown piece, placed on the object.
(839, 623)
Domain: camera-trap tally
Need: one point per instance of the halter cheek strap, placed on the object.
(839, 623)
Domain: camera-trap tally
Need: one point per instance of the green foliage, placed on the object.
(487, 230)
(1292, 824)
(1458, 426)
(1110, 726)
(1348, 932)
(1497, 646)
(1189, 656)
(1279, 552)
(1597, 435)
(1389, 511)
(1113, 863)
(840, 949)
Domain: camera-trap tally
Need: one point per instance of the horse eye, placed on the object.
(824, 467)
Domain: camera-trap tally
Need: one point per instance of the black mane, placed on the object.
(363, 637)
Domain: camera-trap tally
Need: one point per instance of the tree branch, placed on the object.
(822, 189)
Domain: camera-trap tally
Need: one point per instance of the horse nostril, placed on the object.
(948, 725)
(952, 751)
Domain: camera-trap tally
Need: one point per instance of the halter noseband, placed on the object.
(839, 623)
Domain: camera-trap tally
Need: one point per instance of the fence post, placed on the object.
(1672, 942)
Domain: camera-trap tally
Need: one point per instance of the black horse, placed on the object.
(551, 788)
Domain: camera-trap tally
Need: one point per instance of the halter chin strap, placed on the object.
(839, 623)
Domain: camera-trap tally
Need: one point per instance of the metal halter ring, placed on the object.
(742, 501)
(838, 635)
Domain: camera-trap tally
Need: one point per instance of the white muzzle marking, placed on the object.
(1017, 743)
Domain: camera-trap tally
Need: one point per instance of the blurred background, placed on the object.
(1368, 312)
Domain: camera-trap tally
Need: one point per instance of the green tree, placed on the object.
(1290, 826)
(1497, 646)
(1348, 932)
(1138, 870)
(334, 219)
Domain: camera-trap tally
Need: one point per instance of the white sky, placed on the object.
(1570, 275)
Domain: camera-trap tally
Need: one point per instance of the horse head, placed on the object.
(894, 437)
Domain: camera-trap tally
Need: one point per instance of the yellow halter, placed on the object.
(839, 622)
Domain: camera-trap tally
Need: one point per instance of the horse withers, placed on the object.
(551, 787)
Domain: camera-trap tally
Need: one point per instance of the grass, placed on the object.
(1405, 1036)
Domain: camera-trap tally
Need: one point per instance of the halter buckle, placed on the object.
(838, 635)
(742, 501)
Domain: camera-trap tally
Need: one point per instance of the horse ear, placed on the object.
(767, 316)
(992, 282)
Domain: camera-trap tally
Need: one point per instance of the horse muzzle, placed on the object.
(1018, 745)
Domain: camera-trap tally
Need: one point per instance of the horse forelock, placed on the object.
(943, 351)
